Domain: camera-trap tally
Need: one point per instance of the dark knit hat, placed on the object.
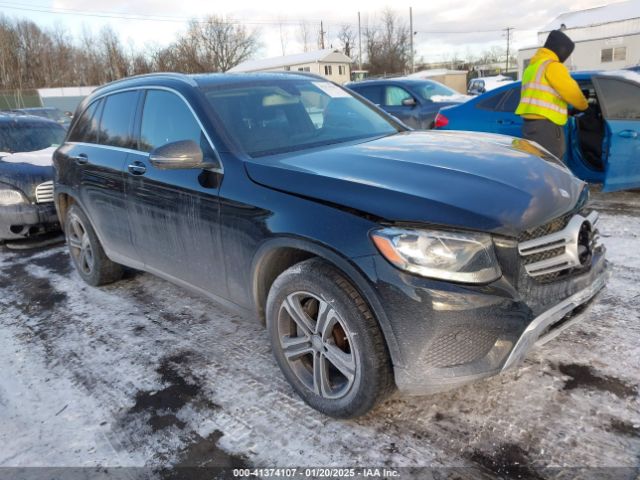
(559, 44)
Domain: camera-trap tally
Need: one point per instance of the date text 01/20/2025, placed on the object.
(316, 472)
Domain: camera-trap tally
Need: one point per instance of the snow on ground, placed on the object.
(142, 373)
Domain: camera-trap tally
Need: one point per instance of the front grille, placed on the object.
(559, 247)
(553, 226)
(459, 347)
(44, 192)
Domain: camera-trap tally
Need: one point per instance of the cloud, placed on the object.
(478, 24)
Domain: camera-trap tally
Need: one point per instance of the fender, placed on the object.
(346, 267)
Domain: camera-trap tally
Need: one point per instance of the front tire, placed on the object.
(326, 340)
(87, 254)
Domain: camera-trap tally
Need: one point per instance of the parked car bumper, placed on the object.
(450, 335)
(25, 220)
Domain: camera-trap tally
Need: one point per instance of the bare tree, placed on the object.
(115, 61)
(32, 57)
(304, 36)
(222, 43)
(284, 37)
(387, 45)
(347, 39)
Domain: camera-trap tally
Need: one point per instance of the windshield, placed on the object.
(276, 116)
(51, 113)
(20, 137)
(428, 89)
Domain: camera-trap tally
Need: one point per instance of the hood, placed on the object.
(560, 44)
(42, 158)
(466, 180)
(26, 170)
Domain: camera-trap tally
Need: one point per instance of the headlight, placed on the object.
(10, 197)
(460, 257)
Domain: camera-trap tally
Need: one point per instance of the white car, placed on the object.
(480, 85)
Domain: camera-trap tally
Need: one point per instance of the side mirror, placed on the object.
(409, 102)
(176, 155)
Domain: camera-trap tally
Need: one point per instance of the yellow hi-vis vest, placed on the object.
(538, 96)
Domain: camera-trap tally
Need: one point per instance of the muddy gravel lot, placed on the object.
(144, 374)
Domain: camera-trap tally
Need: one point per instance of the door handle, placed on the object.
(137, 168)
(81, 159)
(505, 122)
(628, 134)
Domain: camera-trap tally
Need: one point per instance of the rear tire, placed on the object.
(326, 340)
(86, 252)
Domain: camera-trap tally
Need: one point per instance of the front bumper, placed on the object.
(25, 220)
(449, 335)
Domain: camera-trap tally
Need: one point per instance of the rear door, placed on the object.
(620, 102)
(505, 120)
(373, 93)
(492, 112)
(175, 213)
(98, 147)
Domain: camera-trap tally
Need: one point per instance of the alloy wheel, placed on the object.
(80, 245)
(317, 345)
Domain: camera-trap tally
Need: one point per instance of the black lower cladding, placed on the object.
(24, 220)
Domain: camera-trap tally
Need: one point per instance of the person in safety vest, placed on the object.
(547, 90)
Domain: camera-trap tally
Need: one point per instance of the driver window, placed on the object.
(394, 96)
(165, 119)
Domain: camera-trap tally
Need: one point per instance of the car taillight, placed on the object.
(441, 121)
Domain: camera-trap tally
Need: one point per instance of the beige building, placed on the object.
(330, 63)
(455, 79)
(606, 38)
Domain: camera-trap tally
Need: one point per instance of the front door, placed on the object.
(397, 101)
(174, 214)
(620, 102)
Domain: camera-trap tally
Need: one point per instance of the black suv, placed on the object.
(378, 257)
(27, 144)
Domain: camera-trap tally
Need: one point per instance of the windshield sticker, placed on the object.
(332, 90)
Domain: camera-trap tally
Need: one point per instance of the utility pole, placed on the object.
(413, 69)
(508, 30)
(321, 36)
(359, 43)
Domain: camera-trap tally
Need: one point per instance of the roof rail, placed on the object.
(284, 72)
(175, 75)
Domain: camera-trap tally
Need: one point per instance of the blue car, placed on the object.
(415, 102)
(603, 143)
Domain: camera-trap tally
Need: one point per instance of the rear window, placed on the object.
(117, 120)
(492, 101)
(512, 101)
(373, 93)
(29, 137)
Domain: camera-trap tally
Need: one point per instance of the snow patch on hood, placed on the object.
(41, 158)
(451, 98)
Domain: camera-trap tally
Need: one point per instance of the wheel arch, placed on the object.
(63, 202)
(278, 254)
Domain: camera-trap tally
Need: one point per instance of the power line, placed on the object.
(182, 19)
(152, 18)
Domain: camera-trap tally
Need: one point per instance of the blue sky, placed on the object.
(478, 25)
